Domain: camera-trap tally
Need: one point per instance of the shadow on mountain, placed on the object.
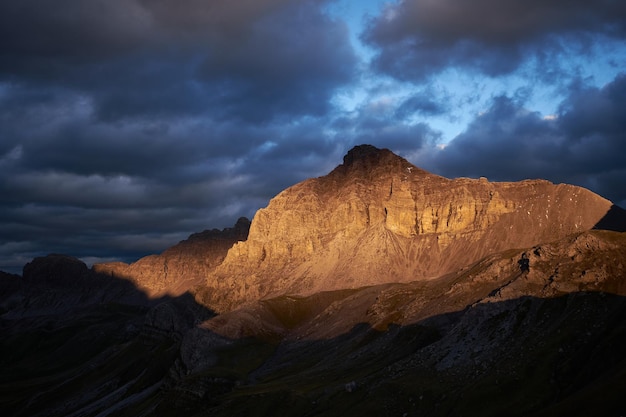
(527, 356)
(106, 349)
(75, 341)
(615, 220)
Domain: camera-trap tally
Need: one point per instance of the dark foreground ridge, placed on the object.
(535, 332)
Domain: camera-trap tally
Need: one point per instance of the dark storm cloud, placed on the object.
(584, 144)
(157, 86)
(76, 31)
(381, 124)
(71, 32)
(418, 38)
(249, 59)
(60, 134)
(37, 230)
(289, 61)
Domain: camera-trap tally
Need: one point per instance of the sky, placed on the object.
(126, 125)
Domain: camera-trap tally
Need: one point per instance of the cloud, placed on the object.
(421, 103)
(583, 145)
(417, 39)
(256, 60)
(73, 32)
(152, 117)
(290, 61)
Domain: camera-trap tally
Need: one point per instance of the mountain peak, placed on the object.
(364, 153)
(370, 156)
(372, 161)
(377, 219)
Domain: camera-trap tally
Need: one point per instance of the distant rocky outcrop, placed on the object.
(56, 271)
(182, 266)
(379, 219)
(57, 284)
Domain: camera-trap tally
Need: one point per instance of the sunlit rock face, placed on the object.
(182, 266)
(377, 218)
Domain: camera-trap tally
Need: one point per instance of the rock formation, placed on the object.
(182, 266)
(57, 284)
(379, 219)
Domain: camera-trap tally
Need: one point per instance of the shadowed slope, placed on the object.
(521, 357)
(75, 342)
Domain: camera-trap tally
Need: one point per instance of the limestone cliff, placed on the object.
(377, 219)
(182, 266)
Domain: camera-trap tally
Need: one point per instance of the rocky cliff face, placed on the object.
(182, 266)
(377, 219)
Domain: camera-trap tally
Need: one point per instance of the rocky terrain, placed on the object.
(378, 289)
(182, 266)
(378, 219)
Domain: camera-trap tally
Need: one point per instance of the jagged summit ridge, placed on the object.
(367, 153)
(367, 160)
(379, 219)
(182, 266)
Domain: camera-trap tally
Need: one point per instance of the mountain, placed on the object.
(379, 219)
(378, 289)
(182, 266)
